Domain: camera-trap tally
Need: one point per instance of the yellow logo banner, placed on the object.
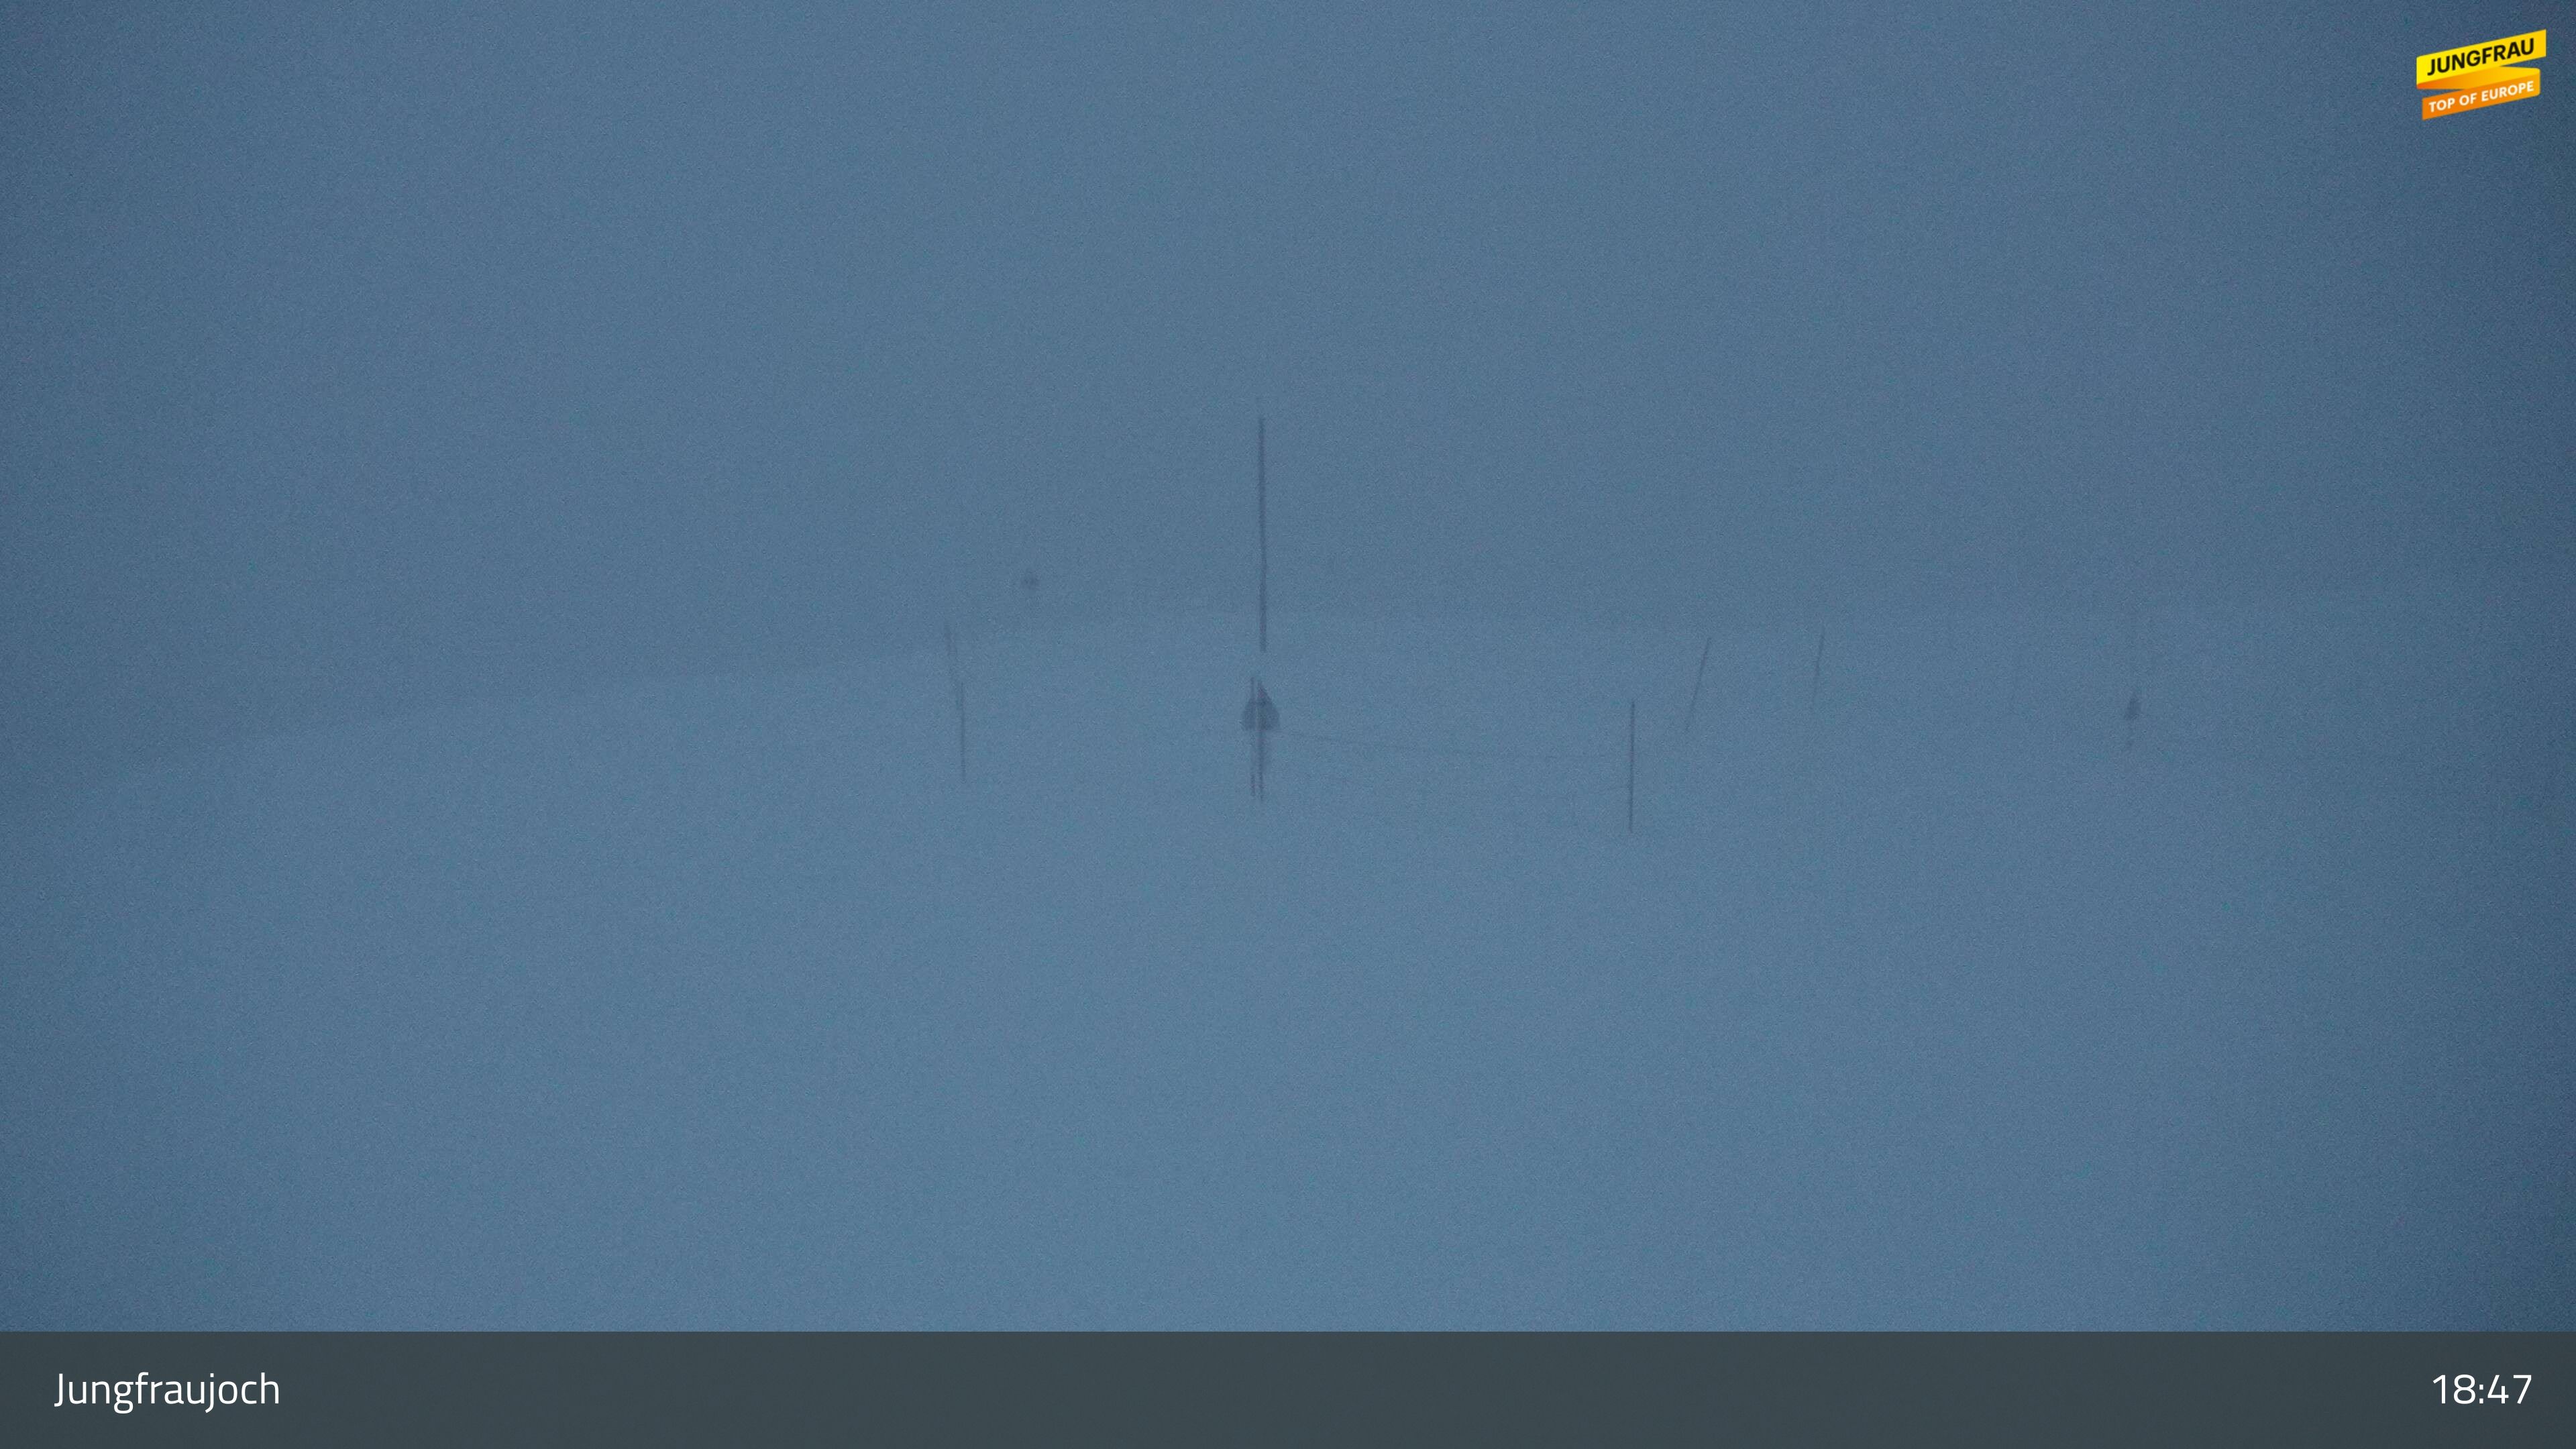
(2486, 74)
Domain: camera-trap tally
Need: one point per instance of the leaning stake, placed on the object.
(1693, 711)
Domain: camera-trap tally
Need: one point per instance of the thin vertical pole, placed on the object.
(2012, 691)
(1689, 714)
(2137, 686)
(1261, 515)
(2557, 778)
(1257, 720)
(957, 696)
(1816, 680)
(1632, 767)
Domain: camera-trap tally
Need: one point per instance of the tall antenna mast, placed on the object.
(1261, 515)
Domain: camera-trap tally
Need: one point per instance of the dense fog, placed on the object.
(482, 491)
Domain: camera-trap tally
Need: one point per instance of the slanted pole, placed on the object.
(1691, 713)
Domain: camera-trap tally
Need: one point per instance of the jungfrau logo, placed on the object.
(2475, 76)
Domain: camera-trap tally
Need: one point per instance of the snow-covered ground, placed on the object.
(1920, 996)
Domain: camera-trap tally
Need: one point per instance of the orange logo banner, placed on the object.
(2476, 76)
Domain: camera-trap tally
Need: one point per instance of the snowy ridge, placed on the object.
(1919, 998)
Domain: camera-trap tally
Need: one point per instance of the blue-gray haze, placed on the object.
(368, 363)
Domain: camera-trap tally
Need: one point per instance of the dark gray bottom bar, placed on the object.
(798, 1388)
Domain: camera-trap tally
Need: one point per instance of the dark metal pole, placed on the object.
(1261, 509)
(1256, 719)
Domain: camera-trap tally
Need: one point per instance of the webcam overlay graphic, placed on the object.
(2474, 77)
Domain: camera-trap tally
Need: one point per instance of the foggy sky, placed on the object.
(361, 357)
